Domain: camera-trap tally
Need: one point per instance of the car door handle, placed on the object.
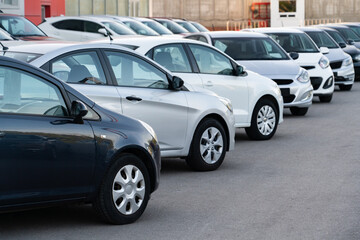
(209, 84)
(133, 98)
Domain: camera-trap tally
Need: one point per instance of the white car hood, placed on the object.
(306, 59)
(336, 54)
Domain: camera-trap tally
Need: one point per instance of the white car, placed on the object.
(189, 122)
(340, 62)
(299, 44)
(154, 25)
(257, 100)
(259, 53)
(134, 25)
(83, 28)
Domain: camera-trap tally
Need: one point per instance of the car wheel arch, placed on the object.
(270, 98)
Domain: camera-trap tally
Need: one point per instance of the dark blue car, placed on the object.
(58, 146)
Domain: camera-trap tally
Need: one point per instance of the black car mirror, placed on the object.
(294, 55)
(103, 31)
(176, 83)
(78, 110)
(239, 70)
(342, 45)
(351, 42)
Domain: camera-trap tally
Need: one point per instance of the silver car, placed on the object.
(259, 53)
(192, 123)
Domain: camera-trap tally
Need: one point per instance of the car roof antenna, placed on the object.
(4, 47)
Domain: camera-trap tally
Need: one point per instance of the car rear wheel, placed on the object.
(125, 191)
(264, 121)
(345, 87)
(208, 147)
(298, 111)
(326, 98)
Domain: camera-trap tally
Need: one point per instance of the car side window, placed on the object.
(172, 57)
(24, 93)
(72, 25)
(91, 27)
(210, 61)
(134, 72)
(82, 67)
(203, 39)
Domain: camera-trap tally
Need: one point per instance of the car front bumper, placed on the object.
(344, 75)
(322, 81)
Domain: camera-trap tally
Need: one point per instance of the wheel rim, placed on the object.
(128, 189)
(211, 145)
(266, 120)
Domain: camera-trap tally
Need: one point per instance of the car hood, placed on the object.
(336, 54)
(352, 50)
(306, 59)
(279, 68)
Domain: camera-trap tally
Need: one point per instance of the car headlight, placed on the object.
(324, 62)
(357, 58)
(303, 76)
(149, 129)
(227, 103)
(348, 61)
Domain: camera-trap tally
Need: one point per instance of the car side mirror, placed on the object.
(294, 55)
(239, 70)
(78, 110)
(351, 42)
(342, 45)
(324, 50)
(176, 83)
(103, 31)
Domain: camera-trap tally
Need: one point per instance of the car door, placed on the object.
(217, 74)
(69, 30)
(175, 59)
(84, 72)
(44, 154)
(145, 95)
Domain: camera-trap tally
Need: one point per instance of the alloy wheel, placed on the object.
(211, 145)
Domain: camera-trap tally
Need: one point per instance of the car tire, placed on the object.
(345, 87)
(296, 111)
(124, 192)
(268, 116)
(208, 147)
(326, 98)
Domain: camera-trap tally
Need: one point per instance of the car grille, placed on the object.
(283, 81)
(316, 82)
(308, 67)
(336, 65)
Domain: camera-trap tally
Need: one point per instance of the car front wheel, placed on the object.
(208, 147)
(264, 121)
(345, 87)
(298, 111)
(125, 191)
(325, 98)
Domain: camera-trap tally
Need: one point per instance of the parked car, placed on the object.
(154, 25)
(59, 147)
(195, 124)
(200, 27)
(305, 52)
(350, 35)
(353, 51)
(257, 100)
(21, 28)
(136, 26)
(172, 26)
(340, 62)
(259, 53)
(83, 28)
(185, 24)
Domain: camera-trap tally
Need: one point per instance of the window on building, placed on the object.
(287, 6)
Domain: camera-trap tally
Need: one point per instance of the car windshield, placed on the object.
(355, 29)
(188, 26)
(322, 39)
(200, 27)
(336, 36)
(21, 56)
(349, 34)
(119, 28)
(250, 48)
(140, 28)
(294, 42)
(160, 29)
(172, 26)
(19, 26)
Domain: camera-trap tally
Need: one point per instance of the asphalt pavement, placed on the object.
(302, 184)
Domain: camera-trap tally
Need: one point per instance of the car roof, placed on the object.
(9, 14)
(59, 18)
(326, 28)
(310, 29)
(227, 34)
(334, 26)
(276, 30)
